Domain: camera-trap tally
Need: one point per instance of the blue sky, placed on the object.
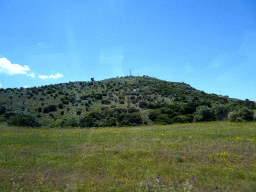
(210, 45)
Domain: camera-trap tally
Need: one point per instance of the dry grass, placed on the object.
(187, 157)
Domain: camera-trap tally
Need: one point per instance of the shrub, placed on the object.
(121, 101)
(204, 113)
(111, 121)
(8, 115)
(62, 113)
(132, 110)
(72, 122)
(143, 104)
(180, 119)
(243, 114)
(221, 112)
(2, 110)
(153, 114)
(2, 119)
(154, 106)
(51, 115)
(60, 106)
(23, 120)
(50, 108)
(87, 121)
(78, 111)
(163, 119)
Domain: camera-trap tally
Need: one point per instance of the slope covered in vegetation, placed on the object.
(125, 101)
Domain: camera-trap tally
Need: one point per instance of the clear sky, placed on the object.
(210, 45)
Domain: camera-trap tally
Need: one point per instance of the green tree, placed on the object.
(204, 113)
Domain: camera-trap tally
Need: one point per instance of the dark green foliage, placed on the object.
(87, 121)
(107, 102)
(221, 112)
(120, 110)
(124, 118)
(50, 91)
(72, 122)
(154, 105)
(182, 119)
(23, 120)
(65, 100)
(62, 113)
(84, 97)
(2, 119)
(163, 119)
(121, 101)
(154, 114)
(97, 96)
(172, 110)
(78, 111)
(2, 110)
(111, 121)
(121, 97)
(9, 114)
(50, 108)
(51, 115)
(243, 114)
(143, 104)
(132, 110)
(204, 113)
(72, 100)
(249, 104)
(190, 107)
(61, 106)
(68, 109)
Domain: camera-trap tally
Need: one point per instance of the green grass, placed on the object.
(178, 157)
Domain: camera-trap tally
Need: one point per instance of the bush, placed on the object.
(23, 120)
(154, 114)
(2, 110)
(2, 119)
(143, 104)
(243, 114)
(87, 121)
(61, 106)
(132, 110)
(72, 122)
(204, 113)
(50, 108)
(180, 119)
(154, 106)
(110, 122)
(221, 112)
(163, 119)
(121, 101)
(51, 115)
(62, 113)
(8, 115)
(78, 111)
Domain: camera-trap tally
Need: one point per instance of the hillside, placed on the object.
(124, 101)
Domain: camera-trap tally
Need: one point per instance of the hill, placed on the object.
(124, 101)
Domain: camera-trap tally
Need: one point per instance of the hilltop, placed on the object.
(124, 101)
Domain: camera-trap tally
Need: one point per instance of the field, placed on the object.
(208, 156)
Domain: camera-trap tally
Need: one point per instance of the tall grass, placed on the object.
(213, 156)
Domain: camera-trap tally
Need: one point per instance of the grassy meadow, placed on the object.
(207, 156)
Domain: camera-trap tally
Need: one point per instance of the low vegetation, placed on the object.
(125, 134)
(205, 156)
